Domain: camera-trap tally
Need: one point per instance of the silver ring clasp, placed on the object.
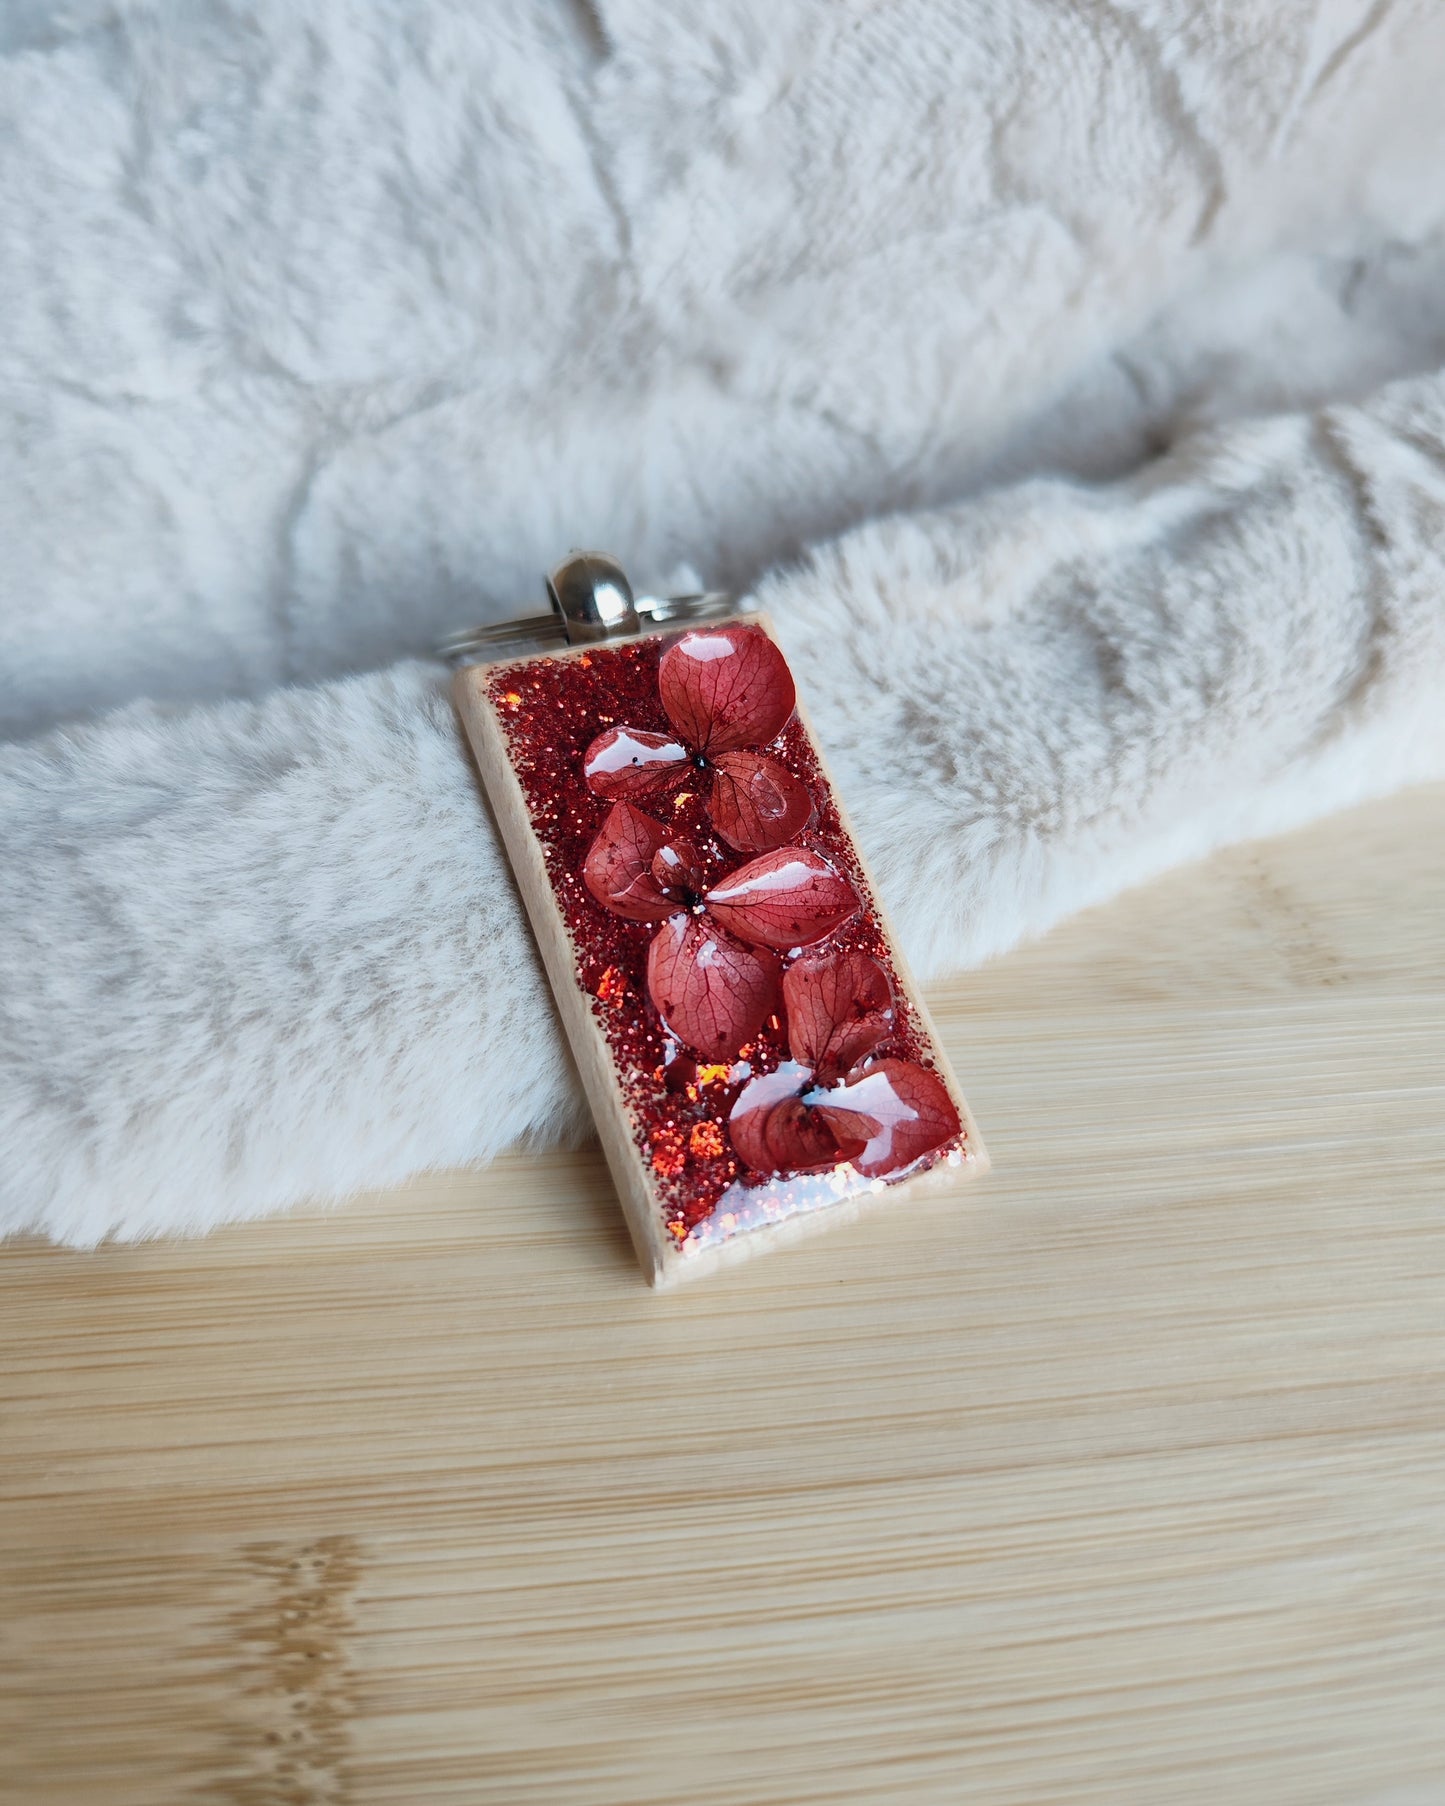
(591, 601)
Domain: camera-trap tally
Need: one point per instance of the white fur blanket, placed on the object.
(1096, 343)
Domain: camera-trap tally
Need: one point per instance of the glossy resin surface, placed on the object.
(766, 1049)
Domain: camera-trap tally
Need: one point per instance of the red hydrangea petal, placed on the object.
(774, 1131)
(679, 1069)
(710, 990)
(755, 1104)
(788, 898)
(800, 1140)
(757, 804)
(852, 1128)
(618, 868)
(627, 762)
(677, 868)
(910, 1105)
(725, 688)
(839, 1008)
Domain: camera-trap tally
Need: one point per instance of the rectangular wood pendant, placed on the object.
(756, 1056)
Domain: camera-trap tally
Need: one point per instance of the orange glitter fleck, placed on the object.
(669, 1156)
(512, 699)
(677, 1229)
(706, 1140)
(611, 985)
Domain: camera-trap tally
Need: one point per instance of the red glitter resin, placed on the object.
(821, 1081)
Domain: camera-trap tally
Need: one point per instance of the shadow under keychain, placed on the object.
(756, 1056)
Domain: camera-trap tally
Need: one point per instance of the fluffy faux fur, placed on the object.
(327, 325)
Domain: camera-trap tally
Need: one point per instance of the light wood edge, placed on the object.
(554, 942)
(662, 1264)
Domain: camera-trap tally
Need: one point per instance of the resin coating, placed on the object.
(768, 1056)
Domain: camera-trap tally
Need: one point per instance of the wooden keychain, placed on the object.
(757, 1057)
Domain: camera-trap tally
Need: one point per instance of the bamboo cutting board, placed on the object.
(1120, 1478)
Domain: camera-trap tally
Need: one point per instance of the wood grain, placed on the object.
(1123, 1481)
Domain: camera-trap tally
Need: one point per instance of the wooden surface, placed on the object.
(1119, 1479)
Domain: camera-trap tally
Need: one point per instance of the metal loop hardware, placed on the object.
(591, 601)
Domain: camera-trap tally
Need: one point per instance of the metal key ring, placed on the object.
(591, 601)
